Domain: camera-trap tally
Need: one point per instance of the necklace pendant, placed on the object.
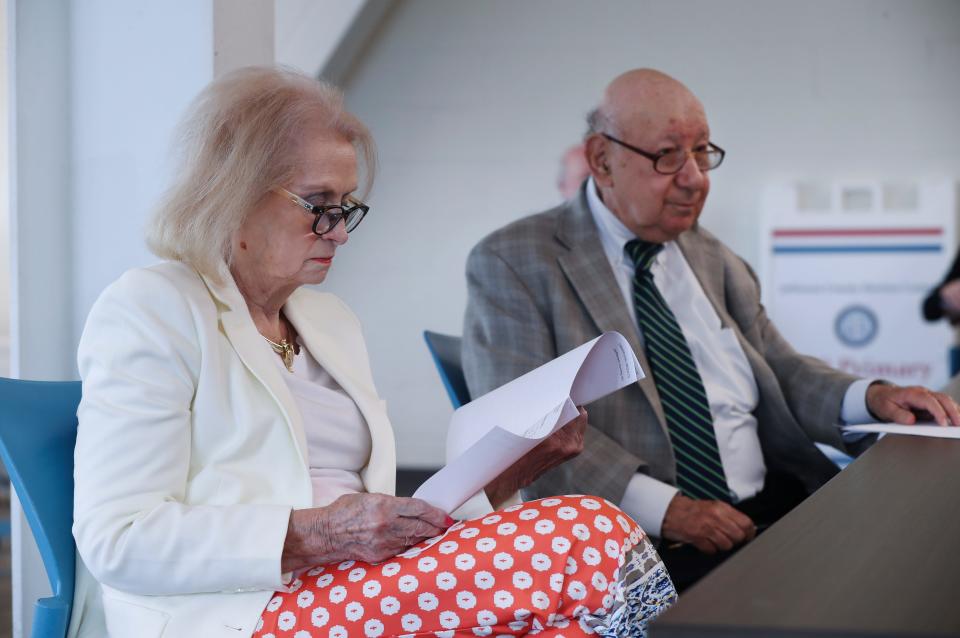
(286, 351)
(287, 355)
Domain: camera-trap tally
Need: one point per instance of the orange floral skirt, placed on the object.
(566, 566)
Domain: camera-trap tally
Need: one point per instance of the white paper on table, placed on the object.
(921, 429)
(489, 434)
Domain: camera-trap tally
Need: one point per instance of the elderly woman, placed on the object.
(234, 464)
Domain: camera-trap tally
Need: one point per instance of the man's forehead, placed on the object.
(671, 121)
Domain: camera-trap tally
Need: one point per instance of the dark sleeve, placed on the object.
(932, 308)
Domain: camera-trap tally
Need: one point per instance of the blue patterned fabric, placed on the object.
(643, 592)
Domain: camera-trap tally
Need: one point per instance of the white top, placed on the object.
(727, 377)
(338, 439)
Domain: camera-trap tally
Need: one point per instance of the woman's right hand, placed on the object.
(366, 527)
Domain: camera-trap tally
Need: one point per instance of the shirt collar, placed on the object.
(613, 234)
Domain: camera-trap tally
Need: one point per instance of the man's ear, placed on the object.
(596, 152)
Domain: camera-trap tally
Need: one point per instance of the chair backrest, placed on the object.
(38, 432)
(445, 350)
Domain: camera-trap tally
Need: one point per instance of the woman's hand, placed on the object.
(367, 527)
(561, 446)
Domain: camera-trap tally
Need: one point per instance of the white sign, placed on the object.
(846, 268)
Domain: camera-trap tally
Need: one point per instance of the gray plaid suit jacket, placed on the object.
(542, 286)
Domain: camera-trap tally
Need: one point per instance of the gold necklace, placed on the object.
(285, 350)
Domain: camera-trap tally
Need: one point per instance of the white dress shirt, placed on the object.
(727, 377)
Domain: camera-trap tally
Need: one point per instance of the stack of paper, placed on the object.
(921, 429)
(491, 433)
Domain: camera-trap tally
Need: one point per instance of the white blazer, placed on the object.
(191, 453)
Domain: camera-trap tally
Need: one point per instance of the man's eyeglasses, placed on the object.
(327, 216)
(672, 161)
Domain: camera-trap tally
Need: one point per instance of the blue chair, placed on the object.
(445, 350)
(38, 431)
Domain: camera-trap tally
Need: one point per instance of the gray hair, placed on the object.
(598, 122)
(235, 146)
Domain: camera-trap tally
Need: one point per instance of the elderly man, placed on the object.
(717, 441)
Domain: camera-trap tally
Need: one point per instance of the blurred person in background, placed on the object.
(573, 170)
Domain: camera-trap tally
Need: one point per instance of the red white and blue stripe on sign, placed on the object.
(814, 241)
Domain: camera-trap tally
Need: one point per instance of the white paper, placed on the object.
(489, 434)
(921, 429)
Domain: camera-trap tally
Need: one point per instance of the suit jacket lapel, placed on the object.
(707, 264)
(586, 266)
(250, 347)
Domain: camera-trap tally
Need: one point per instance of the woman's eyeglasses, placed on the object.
(327, 216)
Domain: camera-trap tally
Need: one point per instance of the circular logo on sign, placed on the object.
(856, 326)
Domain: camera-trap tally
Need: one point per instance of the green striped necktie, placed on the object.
(682, 395)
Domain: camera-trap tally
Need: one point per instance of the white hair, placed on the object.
(237, 143)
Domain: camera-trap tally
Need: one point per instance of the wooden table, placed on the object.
(875, 552)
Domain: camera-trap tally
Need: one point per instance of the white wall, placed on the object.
(134, 67)
(40, 191)
(4, 197)
(243, 34)
(472, 104)
(308, 32)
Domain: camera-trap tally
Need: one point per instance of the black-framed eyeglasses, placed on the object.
(327, 216)
(672, 162)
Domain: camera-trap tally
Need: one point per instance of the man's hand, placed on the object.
(562, 445)
(950, 300)
(710, 526)
(908, 404)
